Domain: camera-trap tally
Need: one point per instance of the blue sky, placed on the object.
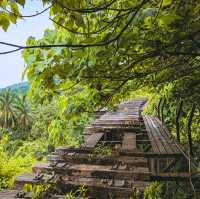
(12, 65)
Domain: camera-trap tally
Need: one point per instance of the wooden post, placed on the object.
(152, 162)
(158, 107)
(161, 110)
(189, 129)
(178, 114)
(189, 132)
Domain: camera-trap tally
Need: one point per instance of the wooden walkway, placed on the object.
(122, 154)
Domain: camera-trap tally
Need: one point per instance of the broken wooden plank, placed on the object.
(93, 140)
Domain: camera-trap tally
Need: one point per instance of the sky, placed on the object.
(12, 65)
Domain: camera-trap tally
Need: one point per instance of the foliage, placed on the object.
(46, 190)
(80, 192)
(103, 149)
(14, 110)
(7, 107)
(37, 129)
(10, 167)
(153, 191)
(39, 191)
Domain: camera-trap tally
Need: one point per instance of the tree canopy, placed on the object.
(113, 46)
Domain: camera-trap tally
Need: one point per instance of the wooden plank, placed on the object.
(150, 154)
(103, 171)
(63, 150)
(159, 140)
(167, 136)
(162, 143)
(175, 177)
(93, 140)
(97, 182)
(94, 184)
(166, 142)
(102, 160)
(129, 141)
(181, 149)
(99, 129)
(152, 139)
(9, 194)
(26, 178)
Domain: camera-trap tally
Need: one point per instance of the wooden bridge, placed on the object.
(123, 152)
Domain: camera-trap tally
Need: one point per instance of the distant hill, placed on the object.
(21, 88)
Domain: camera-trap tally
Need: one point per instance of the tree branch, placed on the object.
(26, 16)
(101, 43)
(94, 9)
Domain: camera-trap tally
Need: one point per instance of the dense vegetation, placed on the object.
(28, 132)
(99, 53)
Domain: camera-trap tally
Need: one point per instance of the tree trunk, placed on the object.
(178, 114)
(158, 108)
(189, 129)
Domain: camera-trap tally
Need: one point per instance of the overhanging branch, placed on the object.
(101, 43)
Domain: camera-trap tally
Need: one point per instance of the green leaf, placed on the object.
(14, 8)
(4, 20)
(21, 2)
(166, 3)
(3, 3)
(13, 18)
(166, 20)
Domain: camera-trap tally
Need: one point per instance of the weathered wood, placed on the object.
(129, 141)
(175, 177)
(102, 187)
(27, 178)
(9, 194)
(63, 150)
(150, 154)
(100, 129)
(106, 160)
(93, 140)
(160, 141)
(181, 149)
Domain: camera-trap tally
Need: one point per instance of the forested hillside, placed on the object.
(21, 88)
(99, 54)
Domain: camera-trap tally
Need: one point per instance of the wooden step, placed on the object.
(135, 158)
(26, 178)
(105, 172)
(131, 162)
(9, 194)
(105, 160)
(98, 171)
(12, 194)
(98, 186)
(117, 187)
(62, 150)
(41, 168)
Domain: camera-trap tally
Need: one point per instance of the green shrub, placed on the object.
(153, 191)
